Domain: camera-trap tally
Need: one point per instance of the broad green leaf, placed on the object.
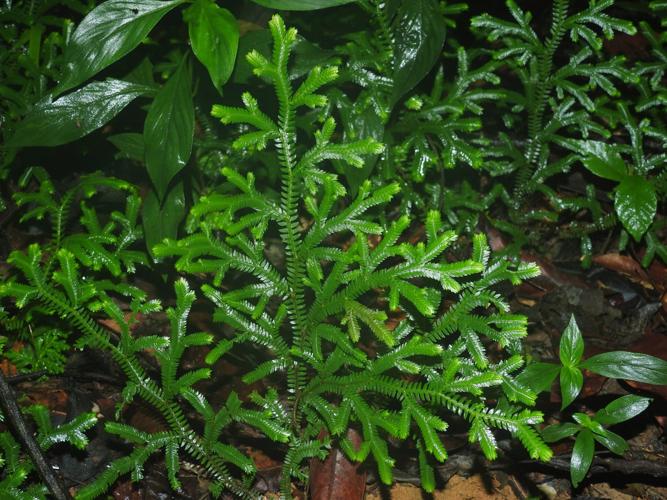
(539, 376)
(168, 130)
(129, 144)
(628, 366)
(612, 441)
(582, 456)
(603, 160)
(584, 420)
(214, 35)
(161, 221)
(76, 114)
(419, 34)
(635, 204)
(622, 409)
(553, 433)
(142, 74)
(571, 382)
(571, 344)
(107, 33)
(259, 40)
(301, 4)
(359, 122)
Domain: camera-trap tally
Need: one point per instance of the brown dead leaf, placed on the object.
(336, 477)
(624, 265)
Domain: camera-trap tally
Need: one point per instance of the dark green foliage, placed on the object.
(323, 224)
(312, 316)
(18, 481)
(79, 276)
(591, 428)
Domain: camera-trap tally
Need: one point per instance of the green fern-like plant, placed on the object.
(561, 100)
(18, 471)
(319, 313)
(79, 278)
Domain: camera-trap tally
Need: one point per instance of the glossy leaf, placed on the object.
(603, 160)
(571, 382)
(539, 376)
(214, 35)
(107, 33)
(130, 144)
(358, 123)
(628, 366)
(76, 114)
(582, 456)
(636, 203)
(168, 130)
(419, 34)
(622, 409)
(553, 433)
(161, 220)
(301, 4)
(612, 441)
(571, 344)
(258, 40)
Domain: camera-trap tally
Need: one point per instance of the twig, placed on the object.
(605, 465)
(13, 414)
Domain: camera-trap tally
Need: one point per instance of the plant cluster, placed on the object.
(322, 223)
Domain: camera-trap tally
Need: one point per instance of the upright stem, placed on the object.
(538, 93)
(147, 389)
(289, 230)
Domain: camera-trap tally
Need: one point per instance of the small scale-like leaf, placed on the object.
(172, 463)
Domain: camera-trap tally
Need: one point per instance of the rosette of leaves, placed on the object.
(79, 278)
(589, 428)
(318, 312)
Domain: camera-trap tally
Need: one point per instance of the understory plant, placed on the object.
(357, 327)
(573, 98)
(336, 244)
(18, 470)
(591, 427)
(78, 278)
(509, 121)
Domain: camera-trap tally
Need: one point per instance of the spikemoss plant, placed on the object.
(320, 318)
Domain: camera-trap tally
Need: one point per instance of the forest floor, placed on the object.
(618, 305)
